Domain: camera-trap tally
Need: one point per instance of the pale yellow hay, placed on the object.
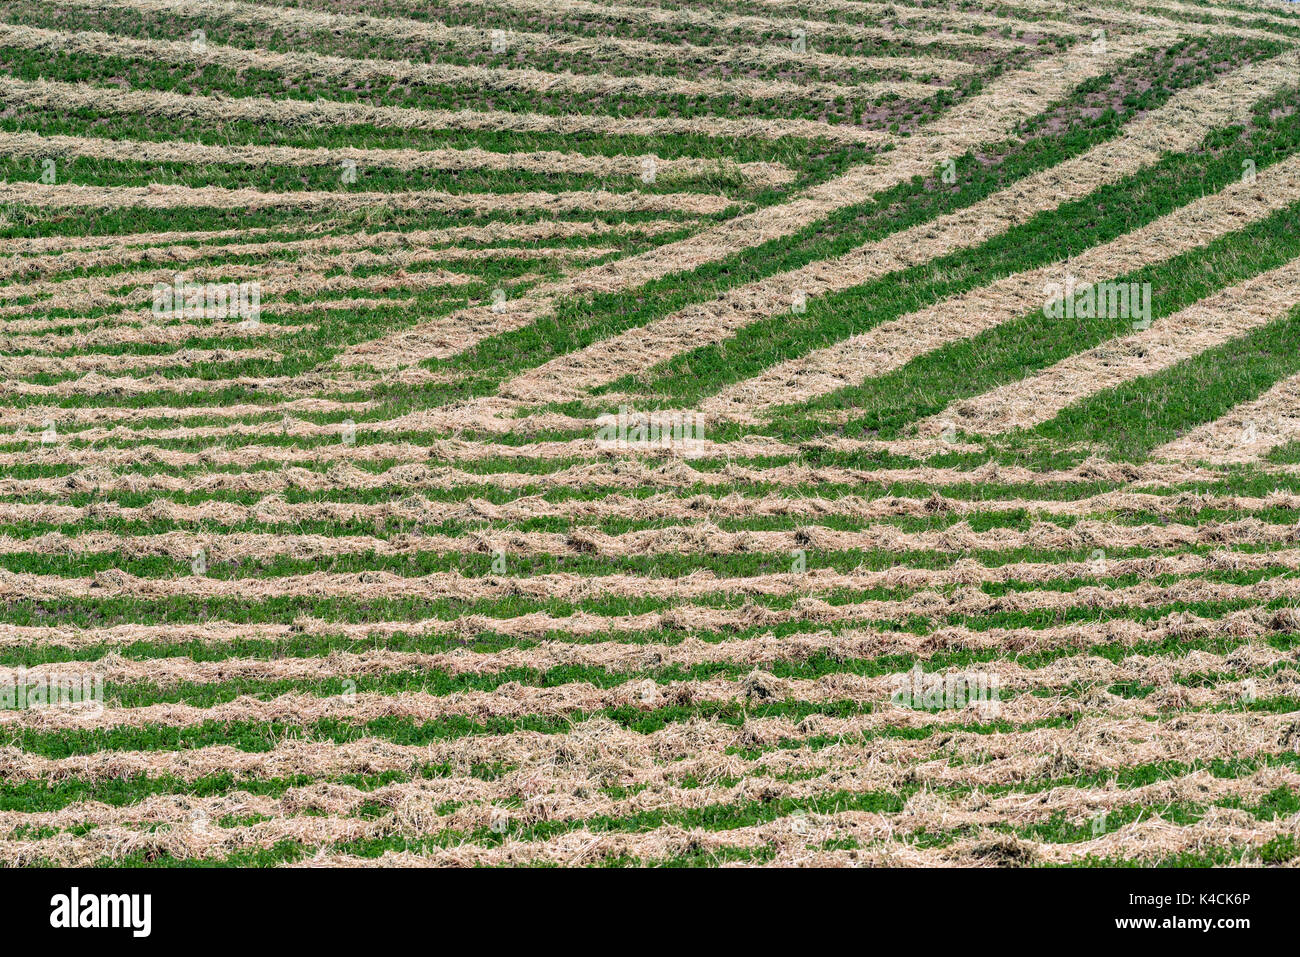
(415, 508)
(19, 366)
(417, 474)
(35, 146)
(45, 94)
(158, 196)
(699, 538)
(564, 586)
(106, 247)
(145, 317)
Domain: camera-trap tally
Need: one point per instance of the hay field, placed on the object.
(682, 433)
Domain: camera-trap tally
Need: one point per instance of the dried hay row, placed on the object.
(347, 251)
(700, 749)
(33, 416)
(995, 112)
(109, 101)
(618, 655)
(627, 475)
(19, 366)
(895, 343)
(1216, 319)
(108, 287)
(565, 586)
(362, 71)
(965, 600)
(702, 538)
(100, 385)
(469, 450)
(799, 840)
(943, 19)
(1144, 17)
(562, 794)
(877, 838)
(1178, 125)
(251, 455)
(160, 196)
(1062, 673)
(275, 510)
(274, 279)
(125, 248)
(33, 145)
(153, 335)
(68, 326)
(513, 700)
(1247, 433)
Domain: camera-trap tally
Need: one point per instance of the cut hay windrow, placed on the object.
(986, 117)
(276, 510)
(445, 75)
(1247, 433)
(894, 343)
(1139, 14)
(626, 475)
(33, 146)
(677, 751)
(700, 583)
(151, 335)
(325, 114)
(166, 673)
(22, 366)
(515, 701)
(169, 196)
(140, 319)
(273, 280)
(44, 254)
(112, 287)
(1225, 315)
(699, 538)
(558, 794)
